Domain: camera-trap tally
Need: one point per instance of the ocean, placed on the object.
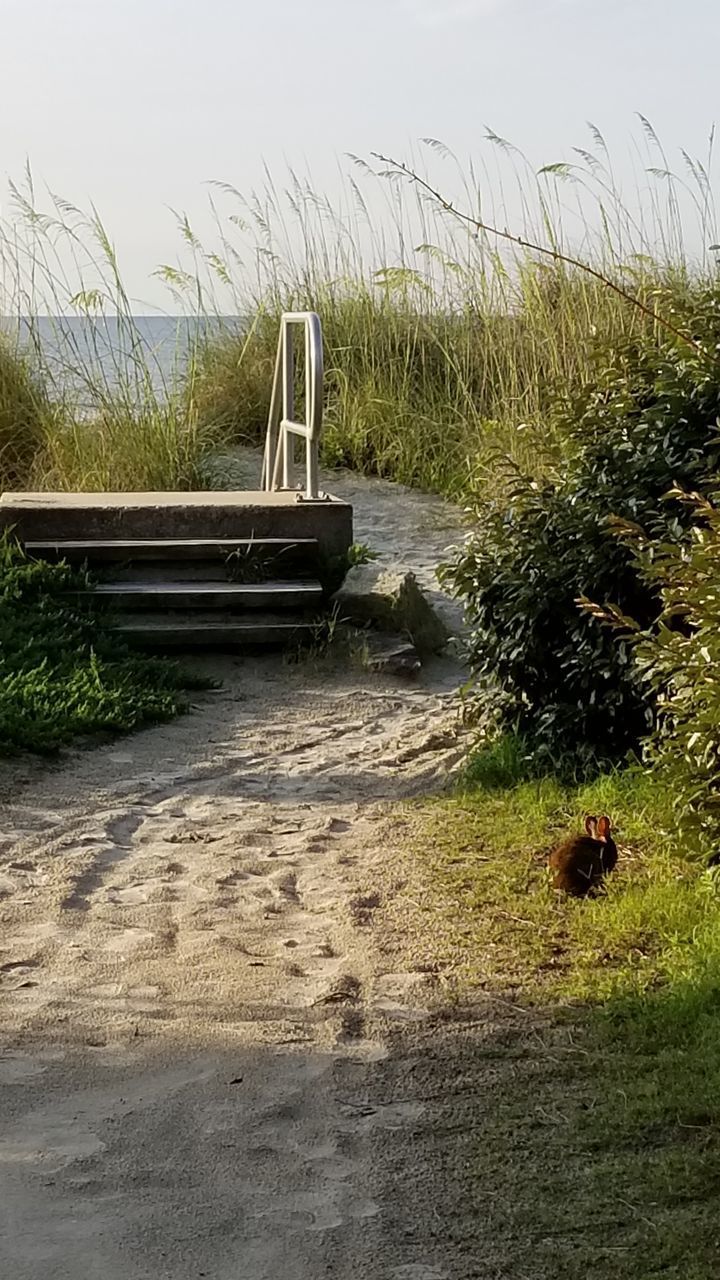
(76, 351)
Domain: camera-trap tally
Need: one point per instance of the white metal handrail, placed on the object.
(279, 457)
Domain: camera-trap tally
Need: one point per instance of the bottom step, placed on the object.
(195, 631)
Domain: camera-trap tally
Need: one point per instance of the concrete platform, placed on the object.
(211, 514)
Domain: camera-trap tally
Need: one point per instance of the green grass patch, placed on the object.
(487, 849)
(620, 1124)
(62, 672)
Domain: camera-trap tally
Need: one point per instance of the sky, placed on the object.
(135, 105)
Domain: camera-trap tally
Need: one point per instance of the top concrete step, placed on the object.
(160, 498)
(211, 514)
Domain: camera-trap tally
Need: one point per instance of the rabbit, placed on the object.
(580, 864)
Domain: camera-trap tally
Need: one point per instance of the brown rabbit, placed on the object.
(579, 865)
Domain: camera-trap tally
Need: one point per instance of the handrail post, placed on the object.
(279, 455)
(274, 417)
(311, 483)
(288, 402)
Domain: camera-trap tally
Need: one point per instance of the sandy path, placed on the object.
(191, 999)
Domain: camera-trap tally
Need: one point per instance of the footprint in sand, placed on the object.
(418, 1271)
(286, 884)
(317, 844)
(46, 932)
(338, 826)
(352, 1026)
(15, 966)
(396, 996)
(232, 878)
(134, 895)
(16, 1068)
(105, 991)
(363, 1118)
(128, 940)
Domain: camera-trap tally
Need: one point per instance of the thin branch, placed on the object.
(555, 254)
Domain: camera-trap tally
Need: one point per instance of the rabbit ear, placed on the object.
(603, 827)
(591, 825)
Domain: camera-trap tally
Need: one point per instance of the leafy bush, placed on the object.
(680, 660)
(62, 673)
(563, 681)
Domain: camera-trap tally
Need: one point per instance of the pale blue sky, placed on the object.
(136, 103)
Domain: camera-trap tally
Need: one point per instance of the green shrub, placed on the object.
(680, 660)
(566, 683)
(62, 673)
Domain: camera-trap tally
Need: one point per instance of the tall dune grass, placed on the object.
(444, 344)
(25, 413)
(414, 391)
(85, 403)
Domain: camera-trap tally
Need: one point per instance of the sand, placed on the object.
(194, 1007)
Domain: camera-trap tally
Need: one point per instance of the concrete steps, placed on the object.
(117, 550)
(193, 570)
(238, 515)
(187, 559)
(204, 595)
(184, 632)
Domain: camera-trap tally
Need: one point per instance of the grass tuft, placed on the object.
(25, 413)
(62, 672)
